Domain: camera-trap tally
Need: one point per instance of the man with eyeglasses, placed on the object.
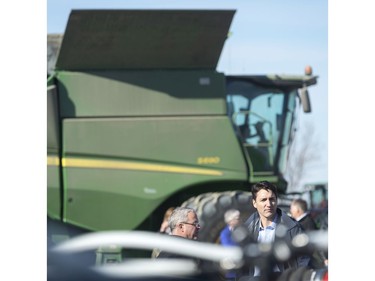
(183, 223)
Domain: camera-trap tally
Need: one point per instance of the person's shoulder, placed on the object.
(164, 254)
(168, 255)
(252, 218)
(225, 229)
(311, 223)
(287, 220)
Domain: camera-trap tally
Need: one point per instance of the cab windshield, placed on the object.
(262, 117)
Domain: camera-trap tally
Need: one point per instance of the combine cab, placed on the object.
(140, 120)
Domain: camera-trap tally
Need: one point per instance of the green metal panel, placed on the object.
(116, 165)
(144, 39)
(141, 93)
(53, 144)
(53, 133)
(53, 187)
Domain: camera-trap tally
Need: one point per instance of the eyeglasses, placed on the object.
(195, 224)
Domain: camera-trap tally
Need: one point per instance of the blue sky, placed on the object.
(266, 37)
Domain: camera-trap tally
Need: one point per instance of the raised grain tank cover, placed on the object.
(144, 39)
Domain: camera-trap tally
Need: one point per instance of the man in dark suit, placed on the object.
(299, 211)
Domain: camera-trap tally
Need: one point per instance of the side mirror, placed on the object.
(305, 100)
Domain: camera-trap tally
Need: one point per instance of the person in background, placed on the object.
(232, 219)
(164, 227)
(322, 222)
(298, 210)
(322, 218)
(263, 224)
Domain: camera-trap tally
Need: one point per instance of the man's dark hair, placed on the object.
(263, 185)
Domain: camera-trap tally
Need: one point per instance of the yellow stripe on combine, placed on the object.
(52, 161)
(126, 165)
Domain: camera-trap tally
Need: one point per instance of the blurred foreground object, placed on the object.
(65, 260)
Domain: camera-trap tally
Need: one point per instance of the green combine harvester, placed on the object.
(139, 120)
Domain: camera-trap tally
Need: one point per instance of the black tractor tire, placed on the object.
(210, 208)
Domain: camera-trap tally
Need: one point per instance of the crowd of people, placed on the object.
(262, 226)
